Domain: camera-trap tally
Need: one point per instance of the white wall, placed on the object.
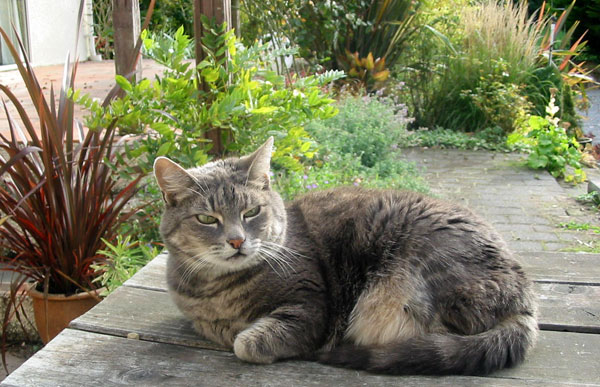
(52, 25)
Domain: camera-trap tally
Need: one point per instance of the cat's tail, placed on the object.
(502, 346)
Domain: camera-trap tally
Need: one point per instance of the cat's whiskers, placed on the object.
(288, 254)
(293, 254)
(269, 257)
(280, 261)
(268, 262)
(195, 263)
(279, 255)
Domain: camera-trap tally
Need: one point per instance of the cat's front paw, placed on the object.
(250, 346)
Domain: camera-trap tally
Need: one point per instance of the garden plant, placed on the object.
(60, 199)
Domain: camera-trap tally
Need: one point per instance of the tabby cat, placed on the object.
(387, 281)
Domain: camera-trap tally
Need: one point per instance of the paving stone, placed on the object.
(555, 246)
(527, 219)
(526, 206)
(528, 246)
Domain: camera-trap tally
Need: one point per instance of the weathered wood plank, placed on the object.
(77, 358)
(565, 307)
(152, 276)
(570, 268)
(153, 315)
(150, 314)
(546, 267)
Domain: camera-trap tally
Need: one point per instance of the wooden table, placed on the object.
(136, 336)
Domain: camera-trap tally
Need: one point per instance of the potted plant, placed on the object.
(60, 200)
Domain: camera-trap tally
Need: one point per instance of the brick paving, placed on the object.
(93, 78)
(525, 206)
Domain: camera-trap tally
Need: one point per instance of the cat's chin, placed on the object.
(234, 263)
(236, 256)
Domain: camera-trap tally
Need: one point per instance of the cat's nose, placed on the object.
(235, 243)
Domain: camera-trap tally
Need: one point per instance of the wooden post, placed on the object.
(220, 10)
(235, 17)
(126, 23)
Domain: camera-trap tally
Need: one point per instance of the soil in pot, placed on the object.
(53, 314)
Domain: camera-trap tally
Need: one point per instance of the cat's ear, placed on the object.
(258, 164)
(171, 178)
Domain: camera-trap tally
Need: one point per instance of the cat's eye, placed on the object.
(206, 219)
(252, 213)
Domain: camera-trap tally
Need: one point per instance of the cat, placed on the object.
(387, 281)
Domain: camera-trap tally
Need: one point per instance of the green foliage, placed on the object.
(541, 83)
(168, 48)
(482, 67)
(490, 139)
(554, 149)
(572, 225)
(592, 198)
(239, 96)
(586, 14)
(551, 148)
(103, 28)
(496, 102)
(169, 15)
(325, 30)
(366, 128)
(143, 225)
(356, 147)
(336, 170)
(123, 260)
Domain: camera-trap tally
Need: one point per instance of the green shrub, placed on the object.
(239, 97)
(541, 83)
(357, 147)
(326, 30)
(366, 128)
(169, 15)
(490, 139)
(551, 148)
(496, 102)
(123, 260)
(482, 70)
(103, 28)
(496, 51)
(344, 169)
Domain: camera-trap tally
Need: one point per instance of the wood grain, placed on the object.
(573, 308)
(152, 276)
(77, 358)
(545, 267)
(570, 268)
(153, 315)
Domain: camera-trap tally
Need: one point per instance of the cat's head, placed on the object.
(222, 216)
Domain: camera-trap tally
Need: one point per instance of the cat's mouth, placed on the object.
(235, 256)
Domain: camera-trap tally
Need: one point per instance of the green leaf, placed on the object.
(124, 83)
(264, 110)
(143, 85)
(305, 147)
(210, 74)
(537, 161)
(164, 149)
(162, 128)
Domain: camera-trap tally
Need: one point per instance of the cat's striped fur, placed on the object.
(387, 281)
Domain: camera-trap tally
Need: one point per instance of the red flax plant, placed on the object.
(59, 196)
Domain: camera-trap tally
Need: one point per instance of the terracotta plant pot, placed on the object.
(54, 314)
